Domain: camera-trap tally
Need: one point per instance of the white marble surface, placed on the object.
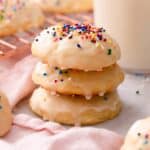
(135, 106)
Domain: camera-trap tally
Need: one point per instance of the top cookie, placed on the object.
(18, 15)
(78, 46)
(65, 6)
(138, 137)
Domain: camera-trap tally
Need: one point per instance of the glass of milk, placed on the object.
(128, 21)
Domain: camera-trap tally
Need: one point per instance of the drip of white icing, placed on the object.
(69, 107)
(86, 70)
(69, 79)
(88, 97)
(101, 94)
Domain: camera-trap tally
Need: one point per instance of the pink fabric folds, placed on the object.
(34, 134)
(15, 79)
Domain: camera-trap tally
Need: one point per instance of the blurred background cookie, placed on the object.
(17, 15)
(5, 115)
(77, 81)
(138, 137)
(73, 110)
(65, 6)
(80, 46)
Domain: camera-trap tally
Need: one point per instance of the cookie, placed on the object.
(138, 137)
(77, 82)
(5, 115)
(65, 6)
(18, 15)
(79, 46)
(72, 110)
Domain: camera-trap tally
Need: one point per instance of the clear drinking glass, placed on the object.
(128, 21)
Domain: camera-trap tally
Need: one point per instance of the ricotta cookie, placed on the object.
(74, 110)
(5, 115)
(138, 137)
(79, 46)
(16, 15)
(78, 82)
(65, 6)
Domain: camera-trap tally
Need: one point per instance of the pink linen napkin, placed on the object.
(29, 133)
(16, 81)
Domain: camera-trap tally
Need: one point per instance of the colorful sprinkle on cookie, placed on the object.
(109, 51)
(87, 31)
(75, 46)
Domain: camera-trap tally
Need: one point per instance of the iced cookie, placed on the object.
(79, 46)
(17, 15)
(78, 82)
(65, 6)
(138, 137)
(74, 109)
(5, 115)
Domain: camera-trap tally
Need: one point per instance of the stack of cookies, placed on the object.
(77, 74)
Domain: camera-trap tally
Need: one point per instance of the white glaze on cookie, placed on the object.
(79, 46)
(78, 82)
(49, 106)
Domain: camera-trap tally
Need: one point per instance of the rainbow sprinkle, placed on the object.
(145, 141)
(87, 32)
